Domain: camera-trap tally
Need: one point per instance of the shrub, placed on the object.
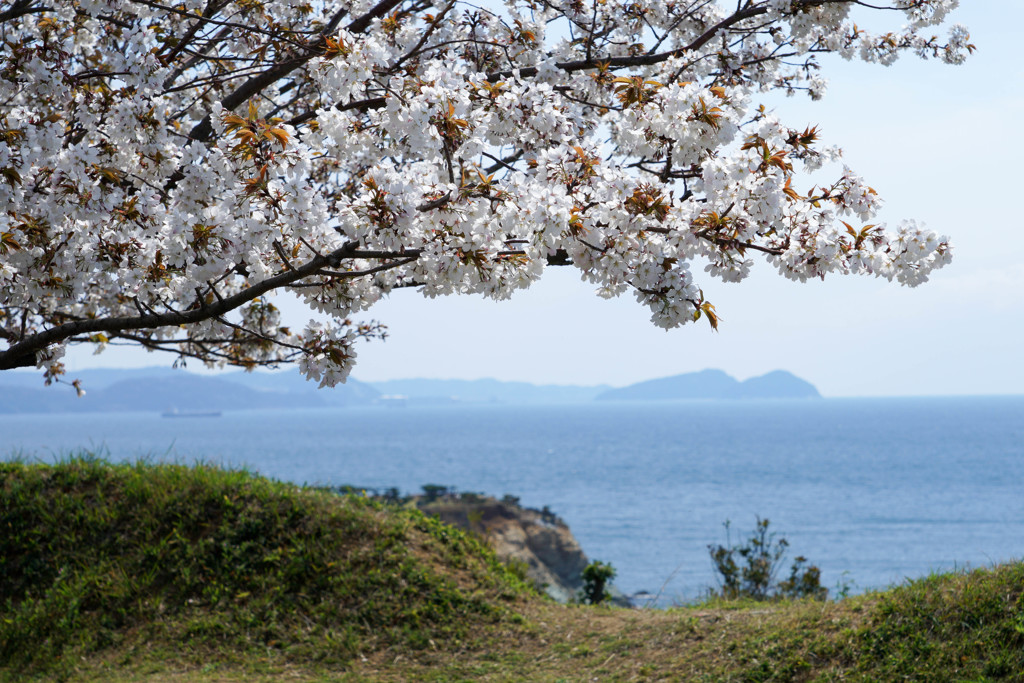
(748, 570)
(596, 576)
(432, 492)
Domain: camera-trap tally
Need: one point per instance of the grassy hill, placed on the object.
(214, 565)
(171, 573)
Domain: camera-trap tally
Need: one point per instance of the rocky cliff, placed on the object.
(542, 541)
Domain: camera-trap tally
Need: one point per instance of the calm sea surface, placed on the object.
(872, 490)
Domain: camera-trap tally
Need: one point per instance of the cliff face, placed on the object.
(552, 555)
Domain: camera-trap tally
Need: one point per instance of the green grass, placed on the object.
(170, 573)
(953, 627)
(224, 564)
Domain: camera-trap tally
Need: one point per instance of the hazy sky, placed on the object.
(941, 144)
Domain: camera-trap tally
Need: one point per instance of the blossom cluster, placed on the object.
(164, 167)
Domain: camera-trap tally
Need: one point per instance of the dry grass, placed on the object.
(959, 627)
(563, 643)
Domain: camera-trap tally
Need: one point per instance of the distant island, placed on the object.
(714, 384)
(163, 390)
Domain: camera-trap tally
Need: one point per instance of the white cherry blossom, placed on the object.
(166, 167)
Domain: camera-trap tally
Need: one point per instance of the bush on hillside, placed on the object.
(749, 569)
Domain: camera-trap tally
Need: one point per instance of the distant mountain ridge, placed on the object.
(715, 385)
(162, 388)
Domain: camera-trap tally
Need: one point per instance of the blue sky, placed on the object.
(941, 144)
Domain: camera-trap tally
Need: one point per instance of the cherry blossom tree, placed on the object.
(166, 166)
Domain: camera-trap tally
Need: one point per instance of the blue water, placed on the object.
(872, 490)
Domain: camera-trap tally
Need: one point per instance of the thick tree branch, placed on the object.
(17, 354)
(20, 9)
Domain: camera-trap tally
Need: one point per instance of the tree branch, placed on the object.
(20, 9)
(17, 355)
(657, 58)
(257, 84)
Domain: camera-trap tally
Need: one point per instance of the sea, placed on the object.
(872, 491)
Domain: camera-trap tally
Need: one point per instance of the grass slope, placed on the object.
(168, 573)
(216, 564)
